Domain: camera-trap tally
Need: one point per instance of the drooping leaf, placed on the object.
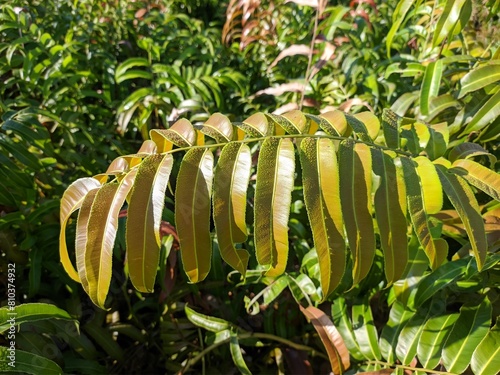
(192, 212)
(479, 78)
(481, 177)
(447, 21)
(330, 337)
(275, 172)
(470, 328)
(397, 19)
(70, 202)
(432, 191)
(322, 199)
(464, 201)
(485, 115)
(143, 221)
(486, 357)
(229, 203)
(210, 323)
(435, 248)
(469, 150)
(102, 227)
(355, 193)
(391, 123)
(390, 209)
(237, 355)
(341, 319)
(398, 318)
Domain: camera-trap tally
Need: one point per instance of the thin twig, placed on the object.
(315, 30)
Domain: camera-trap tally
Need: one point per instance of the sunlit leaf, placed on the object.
(486, 357)
(219, 128)
(237, 355)
(365, 330)
(479, 176)
(229, 203)
(342, 321)
(143, 221)
(275, 175)
(479, 78)
(27, 363)
(30, 312)
(447, 21)
(355, 193)
(398, 318)
(322, 199)
(397, 19)
(181, 134)
(70, 202)
(210, 323)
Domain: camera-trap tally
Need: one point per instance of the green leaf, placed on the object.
(447, 21)
(275, 175)
(438, 142)
(398, 318)
(143, 220)
(439, 279)
(27, 363)
(322, 199)
(237, 356)
(101, 233)
(192, 212)
(486, 357)
(397, 19)
(209, 323)
(341, 320)
(365, 330)
(433, 338)
(468, 150)
(231, 178)
(435, 248)
(355, 193)
(430, 85)
(125, 66)
(29, 312)
(464, 201)
(478, 78)
(390, 209)
(481, 177)
(391, 123)
(70, 202)
(470, 328)
(485, 115)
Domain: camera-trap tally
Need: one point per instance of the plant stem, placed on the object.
(315, 30)
(243, 336)
(392, 365)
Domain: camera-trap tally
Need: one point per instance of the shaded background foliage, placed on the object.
(83, 82)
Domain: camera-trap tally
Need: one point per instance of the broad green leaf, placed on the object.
(481, 177)
(219, 128)
(209, 323)
(127, 64)
(478, 78)
(322, 199)
(430, 85)
(275, 175)
(440, 103)
(336, 349)
(417, 136)
(398, 318)
(341, 320)
(101, 233)
(432, 191)
(355, 192)
(192, 212)
(229, 203)
(181, 134)
(237, 355)
(435, 248)
(391, 123)
(486, 357)
(409, 336)
(447, 21)
(293, 122)
(29, 312)
(462, 198)
(485, 115)
(404, 102)
(397, 19)
(433, 338)
(360, 128)
(390, 209)
(470, 328)
(143, 220)
(365, 330)
(439, 279)
(133, 74)
(438, 141)
(70, 202)
(27, 363)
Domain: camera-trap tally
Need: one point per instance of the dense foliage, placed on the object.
(85, 82)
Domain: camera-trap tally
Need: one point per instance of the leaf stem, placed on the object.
(308, 73)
